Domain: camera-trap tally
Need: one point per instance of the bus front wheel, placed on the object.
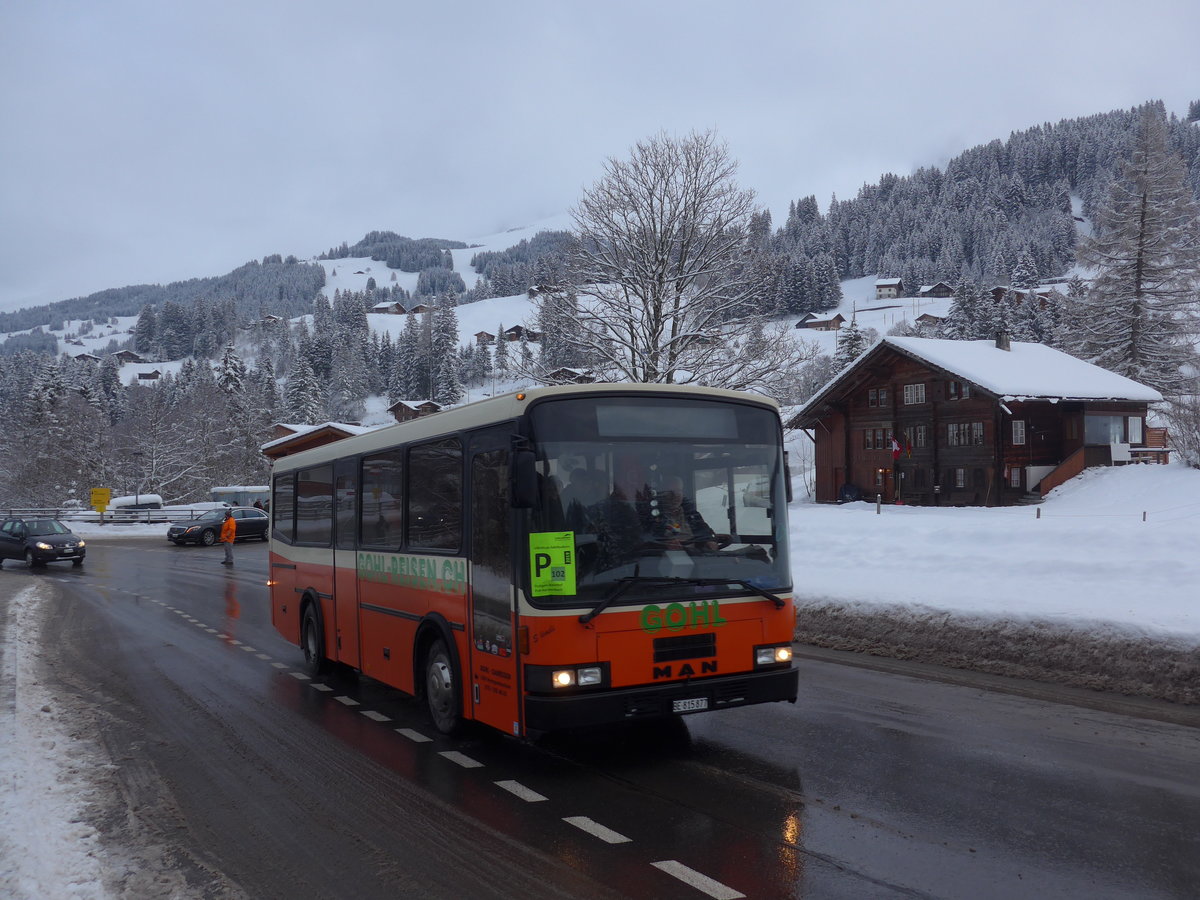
(310, 636)
(441, 689)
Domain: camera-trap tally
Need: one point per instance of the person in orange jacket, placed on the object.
(228, 536)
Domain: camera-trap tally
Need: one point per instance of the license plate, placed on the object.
(690, 705)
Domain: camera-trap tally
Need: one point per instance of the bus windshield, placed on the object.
(663, 487)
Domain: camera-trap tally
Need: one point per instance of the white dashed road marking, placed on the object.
(375, 716)
(414, 736)
(347, 701)
(299, 676)
(515, 787)
(461, 758)
(595, 829)
(320, 687)
(714, 889)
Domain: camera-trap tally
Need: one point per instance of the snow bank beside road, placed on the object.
(46, 847)
(1089, 593)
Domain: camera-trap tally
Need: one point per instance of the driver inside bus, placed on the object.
(675, 521)
(635, 515)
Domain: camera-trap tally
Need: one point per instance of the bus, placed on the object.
(549, 559)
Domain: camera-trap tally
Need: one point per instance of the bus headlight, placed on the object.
(773, 655)
(566, 679)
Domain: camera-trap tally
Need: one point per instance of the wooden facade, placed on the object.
(910, 432)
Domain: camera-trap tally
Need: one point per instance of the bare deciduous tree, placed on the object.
(664, 289)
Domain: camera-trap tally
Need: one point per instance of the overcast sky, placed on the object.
(149, 141)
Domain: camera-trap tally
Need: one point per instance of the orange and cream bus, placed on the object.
(558, 557)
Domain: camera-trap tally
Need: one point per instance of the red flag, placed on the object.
(895, 449)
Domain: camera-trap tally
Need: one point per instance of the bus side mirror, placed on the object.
(524, 479)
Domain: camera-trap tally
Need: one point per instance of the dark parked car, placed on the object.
(39, 541)
(206, 530)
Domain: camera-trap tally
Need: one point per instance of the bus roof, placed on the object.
(480, 413)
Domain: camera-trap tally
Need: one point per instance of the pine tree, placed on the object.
(1025, 274)
(501, 361)
(231, 373)
(851, 344)
(303, 398)
(1140, 312)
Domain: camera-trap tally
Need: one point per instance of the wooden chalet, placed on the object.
(929, 319)
(288, 439)
(89, 357)
(484, 338)
(941, 289)
(404, 410)
(888, 288)
(971, 423)
(389, 309)
(152, 375)
(520, 331)
(127, 356)
(421, 308)
(811, 321)
(567, 375)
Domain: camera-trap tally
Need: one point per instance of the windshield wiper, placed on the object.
(623, 584)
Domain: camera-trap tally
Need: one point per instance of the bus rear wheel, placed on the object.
(310, 640)
(441, 689)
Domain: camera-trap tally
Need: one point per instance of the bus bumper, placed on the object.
(544, 713)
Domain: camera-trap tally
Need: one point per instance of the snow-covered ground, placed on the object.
(1112, 551)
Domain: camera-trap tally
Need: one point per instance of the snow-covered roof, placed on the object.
(1026, 371)
(307, 429)
(886, 282)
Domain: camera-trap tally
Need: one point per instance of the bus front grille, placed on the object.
(688, 646)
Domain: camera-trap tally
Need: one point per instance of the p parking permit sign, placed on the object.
(552, 563)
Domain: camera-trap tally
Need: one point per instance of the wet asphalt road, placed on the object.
(875, 784)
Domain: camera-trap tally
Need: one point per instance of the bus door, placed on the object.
(494, 689)
(345, 566)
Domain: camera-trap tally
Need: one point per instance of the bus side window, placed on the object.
(382, 508)
(435, 495)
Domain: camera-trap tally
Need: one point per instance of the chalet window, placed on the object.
(977, 433)
(1014, 476)
(914, 393)
(872, 397)
(879, 478)
(868, 439)
(961, 434)
(1018, 432)
(880, 440)
(957, 390)
(922, 436)
(1135, 430)
(883, 396)
(960, 477)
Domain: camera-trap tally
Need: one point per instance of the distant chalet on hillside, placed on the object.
(405, 410)
(972, 423)
(811, 321)
(941, 289)
(888, 288)
(127, 356)
(389, 309)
